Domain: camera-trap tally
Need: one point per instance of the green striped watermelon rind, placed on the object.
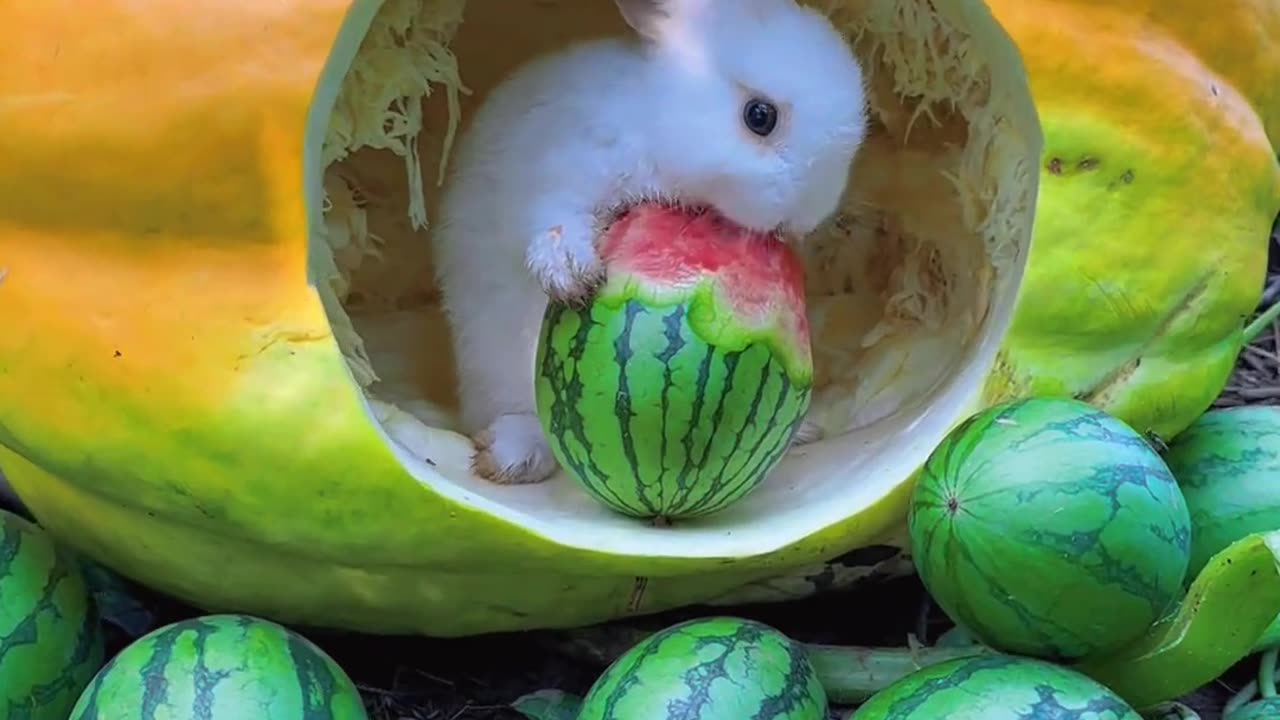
(680, 386)
(221, 666)
(740, 288)
(1049, 528)
(710, 317)
(718, 668)
(654, 422)
(51, 639)
(995, 687)
(1228, 465)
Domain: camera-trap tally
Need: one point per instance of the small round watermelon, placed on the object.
(996, 687)
(221, 667)
(712, 669)
(1049, 528)
(676, 390)
(1228, 464)
(50, 635)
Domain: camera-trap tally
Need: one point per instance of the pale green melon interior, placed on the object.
(911, 287)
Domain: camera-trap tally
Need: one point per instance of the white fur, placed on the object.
(569, 137)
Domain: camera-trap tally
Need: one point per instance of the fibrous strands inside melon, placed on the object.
(900, 283)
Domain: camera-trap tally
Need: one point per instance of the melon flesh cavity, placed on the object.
(910, 287)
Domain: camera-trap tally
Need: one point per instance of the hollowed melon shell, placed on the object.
(176, 404)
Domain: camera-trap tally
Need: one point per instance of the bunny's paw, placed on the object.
(808, 432)
(513, 451)
(566, 265)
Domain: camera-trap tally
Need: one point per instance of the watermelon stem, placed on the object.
(1270, 637)
(1264, 685)
(1267, 673)
(851, 675)
(1243, 697)
(1261, 322)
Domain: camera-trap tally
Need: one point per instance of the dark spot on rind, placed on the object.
(1125, 178)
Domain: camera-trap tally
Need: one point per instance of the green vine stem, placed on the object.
(851, 675)
(1243, 697)
(1262, 322)
(1267, 673)
(1229, 604)
(1224, 613)
(1263, 686)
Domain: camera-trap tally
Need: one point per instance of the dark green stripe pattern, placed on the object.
(1049, 528)
(221, 667)
(652, 420)
(709, 669)
(50, 635)
(996, 687)
(1228, 466)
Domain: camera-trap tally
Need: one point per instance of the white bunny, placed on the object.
(753, 107)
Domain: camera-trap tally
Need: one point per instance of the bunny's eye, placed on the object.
(760, 116)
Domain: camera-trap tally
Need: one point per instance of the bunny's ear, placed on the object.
(646, 16)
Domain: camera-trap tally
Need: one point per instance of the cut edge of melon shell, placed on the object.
(995, 181)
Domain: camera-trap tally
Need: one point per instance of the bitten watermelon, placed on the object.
(221, 667)
(679, 387)
(1047, 527)
(50, 637)
(1228, 465)
(712, 669)
(995, 687)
